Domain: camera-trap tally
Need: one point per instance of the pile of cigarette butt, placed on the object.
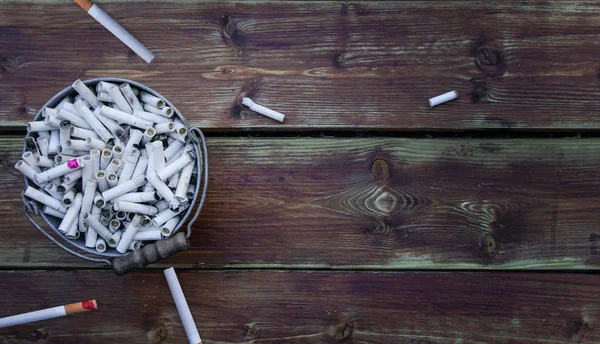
(116, 166)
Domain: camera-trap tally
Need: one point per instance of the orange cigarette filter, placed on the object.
(80, 307)
(85, 4)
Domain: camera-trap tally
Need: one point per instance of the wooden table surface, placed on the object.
(367, 216)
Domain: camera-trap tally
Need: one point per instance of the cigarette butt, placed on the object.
(48, 313)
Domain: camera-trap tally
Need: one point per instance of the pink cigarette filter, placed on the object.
(111, 25)
(49, 313)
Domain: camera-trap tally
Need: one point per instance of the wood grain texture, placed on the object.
(373, 204)
(326, 65)
(301, 307)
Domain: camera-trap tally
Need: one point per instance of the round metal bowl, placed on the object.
(196, 137)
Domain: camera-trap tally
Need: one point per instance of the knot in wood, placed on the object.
(489, 244)
(380, 169)
(343, 331)
(160, 334)
(41, 334)
(250, 330)
(490, 60)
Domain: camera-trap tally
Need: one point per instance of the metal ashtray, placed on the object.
(152, 252)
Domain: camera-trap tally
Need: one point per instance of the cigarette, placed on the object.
(49, 313)
(135, 136)
(95, 224)
(117, 151)
(91, 237)
(87, 171)
(53, 212)
(150, 116)
(114, 240)
(119, 99)
(150, 235)
(446, 97)
(89, 192)
(263, 110)
(165, 111)
(148, 135)
(74, 119)
(137, 197)
(53, 121)
(173, 181)
(129, 166)
(112, 179)
(44, 161)
(54, 142)
(93, 121)
(44, 199)
(85, 93)
(114, 225)
(165, 215)
(137, 208)
(111, 25)
(64, 186)
(173, 149)
(52, 190)
(135, 245)
(121, 215)
(81, 133)
(73, 176)
(112, 126)
(190, 192)
(152, 100)
(39, 126)
(124, 117)
(155, 149)
(163, 128)
(68, 198)
(176, 165)
(73, 232)
(184, 182)
(130, 97)
(161, 205)
(113, 166)
(104, 97)
(182, 307)
(63, 158)
(103, 86)
(58, 171)
(100, 245)
(127, 236)
(77, 145)
(64, 134)
(179, 133)
(27, 171)
(29, 159)
(140, 167)
(101, 180)
(92, 143)
(71, 215)
(124, 188)
(163, 189)
(169, 226)
(105, 158)
(95, 154)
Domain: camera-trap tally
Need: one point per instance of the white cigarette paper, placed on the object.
(59, 171)
(446, 97)
(124, 117)
(163, 189)
(150, 116)
(131, 207)
(27, 171)
(175, 166)
(127, 236)
(130, 97)
(119, 99)
(102, 181)
(182, 307)
(93, 121)
(100, 245)
(169, 226)
(148, 235)
(113, 166)
(263, 110)
(44, 199)
(111, 25)
(48, 313)
(86, 93)
(124, 188)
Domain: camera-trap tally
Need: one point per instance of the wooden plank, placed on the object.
(326, 65)
(300, 307)
(373, 204)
